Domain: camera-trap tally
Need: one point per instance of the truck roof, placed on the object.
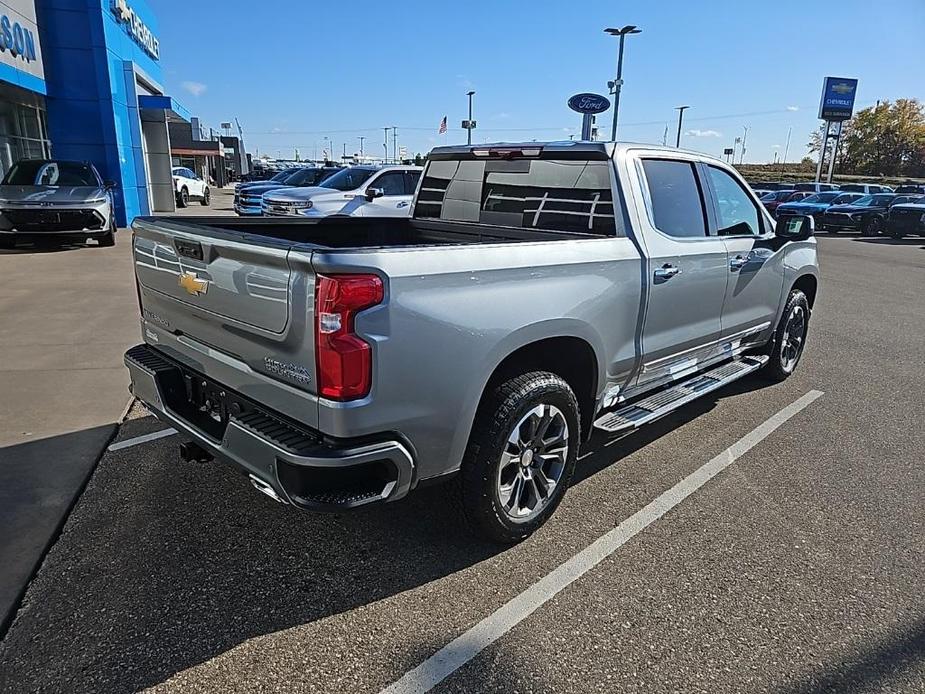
(563, 147)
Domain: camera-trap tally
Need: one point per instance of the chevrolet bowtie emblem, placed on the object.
(192, 284)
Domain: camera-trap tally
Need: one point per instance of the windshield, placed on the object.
(821, 197)
(308, 177)
(51, 173)
(865, 201)
(846, 199)
(283, 175)
(348, 179)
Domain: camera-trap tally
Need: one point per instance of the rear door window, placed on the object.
(677, 207)
(549, 194)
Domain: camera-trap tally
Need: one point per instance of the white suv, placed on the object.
(360, 191)
(188, 186)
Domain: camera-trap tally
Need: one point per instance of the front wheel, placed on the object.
(206, 198)
(789, 340)
(521, 456)
(872, 227)
(183, 198)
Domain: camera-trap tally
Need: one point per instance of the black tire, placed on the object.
(7, 242)
(502, 414)
(897, 233)
(783, 363)
(206, 198)
(872, 227)
(183, 198)
(108, 239)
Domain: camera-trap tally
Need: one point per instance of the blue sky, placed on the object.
(295, 72)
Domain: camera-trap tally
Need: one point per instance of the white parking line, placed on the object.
(464, 648)
(128, 443)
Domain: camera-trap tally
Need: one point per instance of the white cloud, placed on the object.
(703, 133)
(194, 88)
(504, 115)
(775, 147)
(793, 108)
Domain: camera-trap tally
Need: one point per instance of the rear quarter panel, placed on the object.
(452, 314)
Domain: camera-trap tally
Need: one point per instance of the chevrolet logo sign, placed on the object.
(842, 88)
(192, 284)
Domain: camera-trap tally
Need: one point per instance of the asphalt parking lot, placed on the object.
(797, 568)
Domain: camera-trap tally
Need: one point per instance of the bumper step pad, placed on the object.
(670, 399)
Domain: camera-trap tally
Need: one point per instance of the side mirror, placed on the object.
(795, 228)
(109, 184)
(373, 193)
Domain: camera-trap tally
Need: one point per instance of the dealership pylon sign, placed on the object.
(835, 107)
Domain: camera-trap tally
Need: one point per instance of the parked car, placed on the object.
(189, 186)
(761, 192)
(815, 205)
(539, 292)
(816, 187)
(56, 199)
(360, 191)
(911, 188)
(249, 201)
(866, 188)
(866, 214)
(906, 219)
(774, 200)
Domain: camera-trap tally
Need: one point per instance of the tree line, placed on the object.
(883, 140)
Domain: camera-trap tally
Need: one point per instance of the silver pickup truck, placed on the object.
(540, 292)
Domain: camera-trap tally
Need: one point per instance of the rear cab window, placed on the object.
(570, 195)
(676, 204)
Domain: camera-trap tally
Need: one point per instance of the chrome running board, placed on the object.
(665, 401)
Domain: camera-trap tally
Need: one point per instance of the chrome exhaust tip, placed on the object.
(262, 486)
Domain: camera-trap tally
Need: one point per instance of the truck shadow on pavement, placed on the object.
(164, 565)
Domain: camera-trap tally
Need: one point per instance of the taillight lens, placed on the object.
(343, 360)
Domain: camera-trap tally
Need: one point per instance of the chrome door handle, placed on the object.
(403, 203)
(738, 263)
(666, 272)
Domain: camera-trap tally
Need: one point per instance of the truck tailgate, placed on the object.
(241, 282)
(235, 308)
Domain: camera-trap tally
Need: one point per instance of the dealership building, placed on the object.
(82, 79)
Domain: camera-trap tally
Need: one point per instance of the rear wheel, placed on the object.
(897, 233)
(183, 198)
(206, 198)
(521, 456)
(789, 340)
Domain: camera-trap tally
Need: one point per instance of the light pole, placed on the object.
(385, 145)
(680, 110)
(328, 153)
(469, 128)
(617, 84)
(361, 138)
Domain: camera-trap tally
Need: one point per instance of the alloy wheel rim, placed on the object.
(793, 338)
(533, 462)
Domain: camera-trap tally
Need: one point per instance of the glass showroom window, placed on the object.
(23, 134)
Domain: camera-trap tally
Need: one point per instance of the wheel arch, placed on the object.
(809, 285)
(570, 357)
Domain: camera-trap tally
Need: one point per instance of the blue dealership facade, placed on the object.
(82, 79)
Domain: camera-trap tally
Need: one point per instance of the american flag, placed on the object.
(442, 128)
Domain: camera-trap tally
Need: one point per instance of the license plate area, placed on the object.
(207, 404)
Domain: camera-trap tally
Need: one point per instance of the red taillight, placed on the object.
(344, 361)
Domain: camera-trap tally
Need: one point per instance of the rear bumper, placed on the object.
(301, 466)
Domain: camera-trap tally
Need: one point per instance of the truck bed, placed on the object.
(345, 233)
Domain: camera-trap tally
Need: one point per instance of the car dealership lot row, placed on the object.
(796, 569)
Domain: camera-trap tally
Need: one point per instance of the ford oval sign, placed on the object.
(589, 103)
